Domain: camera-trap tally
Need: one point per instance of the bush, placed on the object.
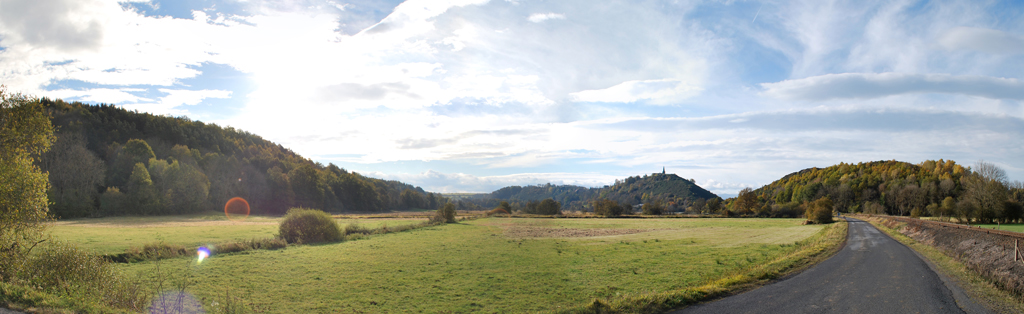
(303, 225)
(354, 228)
(113, 202)
(608, 208)
(248, 245)
(652, 208)
(786, 210)
(497, 211)
(64, 269)
(820, 211)
(445, 214)
(550, 207)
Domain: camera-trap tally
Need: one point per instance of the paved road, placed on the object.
(872, 274)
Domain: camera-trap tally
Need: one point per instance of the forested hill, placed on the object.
(940, 188)
(111, 161)
(674, 192)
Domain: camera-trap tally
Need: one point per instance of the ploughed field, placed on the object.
(483, 265)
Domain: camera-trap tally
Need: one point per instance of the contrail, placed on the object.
(758, 12)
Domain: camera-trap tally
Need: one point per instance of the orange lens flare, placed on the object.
(236, 209)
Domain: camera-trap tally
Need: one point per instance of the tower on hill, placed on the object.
(663, 170)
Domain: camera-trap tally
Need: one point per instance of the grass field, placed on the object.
(1007, 227)
(116, 234)
(489, 265)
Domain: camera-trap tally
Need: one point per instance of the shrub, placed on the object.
(550, 207)
(786, 210)
(916, 212)
(149, 252)
(303, 225)
(64, 269)
(820, 211)
(445, 214)
(354, 228)
(608, 208)
(113, 202)
(251, 244)
(497, 211)
(652, 208)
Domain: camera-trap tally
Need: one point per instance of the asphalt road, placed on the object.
(871, 274)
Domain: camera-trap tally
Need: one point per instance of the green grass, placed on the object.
(33, 301)
(1006, 227)
(117, 234)
(474, 267)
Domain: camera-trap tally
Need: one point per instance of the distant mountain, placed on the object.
(111, 161)
(673, 191)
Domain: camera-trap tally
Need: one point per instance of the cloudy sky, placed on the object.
(473, 95)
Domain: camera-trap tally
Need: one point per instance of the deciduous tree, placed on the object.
(25, 133)
(75, 175)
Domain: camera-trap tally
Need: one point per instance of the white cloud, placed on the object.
(191, 97)
(983, 40)
(100, 95)
(541, 17)
(874, 85)
(659, 91)
(515, 87)
(173, 102)
(56, 24)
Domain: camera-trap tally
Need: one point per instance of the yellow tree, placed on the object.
(25, 133)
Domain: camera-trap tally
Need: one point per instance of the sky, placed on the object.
(475, 95)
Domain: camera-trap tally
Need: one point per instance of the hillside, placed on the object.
(110, 161)
(939, 188)
(674, 192)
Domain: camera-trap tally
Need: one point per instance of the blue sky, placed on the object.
(473, 95)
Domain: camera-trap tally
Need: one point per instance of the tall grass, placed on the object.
(159, 251)
(84, 281)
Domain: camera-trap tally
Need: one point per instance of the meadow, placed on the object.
(116, 234)
(1004, 227)
(487, 265)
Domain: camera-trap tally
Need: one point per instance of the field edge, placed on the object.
(808, 252)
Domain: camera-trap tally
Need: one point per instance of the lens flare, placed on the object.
(236, 209)
(203, 253)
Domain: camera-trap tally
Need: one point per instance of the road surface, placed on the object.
(871, 274)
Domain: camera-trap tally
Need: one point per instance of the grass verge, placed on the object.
(976, 286)
(809, 252)
(28, 300)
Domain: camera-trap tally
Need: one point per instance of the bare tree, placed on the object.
(984, 191)
(990, 171)
(946, 187)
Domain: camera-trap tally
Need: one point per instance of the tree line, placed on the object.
(106, 160)
(942, 188)
(658, 191)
